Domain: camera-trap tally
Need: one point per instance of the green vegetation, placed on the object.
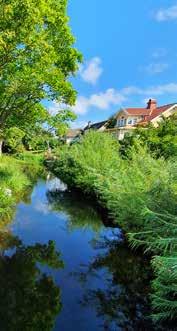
(139, 188)
(17, 141)
(16, 176)
(37, 57)
(135, 180)
(160, 142)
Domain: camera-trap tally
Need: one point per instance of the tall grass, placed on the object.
(140, 193)
(15, 177)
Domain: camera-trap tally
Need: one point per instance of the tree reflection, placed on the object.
(79, 212)
(122, 302)
(29, 298)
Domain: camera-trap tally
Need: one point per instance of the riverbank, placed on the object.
(140, 194)
(17, 175)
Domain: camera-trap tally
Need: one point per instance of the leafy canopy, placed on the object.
(36, 58)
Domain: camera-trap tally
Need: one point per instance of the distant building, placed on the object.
(128, 119)
(72, 135)
(100, 126)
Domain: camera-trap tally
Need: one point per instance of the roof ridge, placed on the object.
(135, 108)
(168, 104)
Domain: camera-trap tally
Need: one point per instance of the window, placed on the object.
(135, 121)
(129, 121)
(122, 122)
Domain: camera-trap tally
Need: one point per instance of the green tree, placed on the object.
(36, 58)
(13, 139)
(30, 300)
(59, 123)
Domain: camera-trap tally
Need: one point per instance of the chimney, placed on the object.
(89, 124)
(152, 104)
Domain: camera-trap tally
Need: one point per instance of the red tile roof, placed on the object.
(138, 111)
(148, 114)
(159, 110)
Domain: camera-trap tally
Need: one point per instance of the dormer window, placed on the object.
(122, 122)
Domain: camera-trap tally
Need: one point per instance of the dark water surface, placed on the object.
(62, 270)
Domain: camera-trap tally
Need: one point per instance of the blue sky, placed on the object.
(130, 54)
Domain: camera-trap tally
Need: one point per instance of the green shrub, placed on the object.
(160, 141)
(83, 162)
(125, 187)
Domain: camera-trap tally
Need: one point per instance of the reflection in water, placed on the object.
(122, 302)
(55, 184)
(29, 299)
(121, 299)
(104, 286)
(80, 213)
(7, 241)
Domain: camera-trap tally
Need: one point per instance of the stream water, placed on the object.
(62, 269)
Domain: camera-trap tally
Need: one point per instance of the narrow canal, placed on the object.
(62, 269)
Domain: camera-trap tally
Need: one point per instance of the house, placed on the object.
(100, 126)
(75, 134)
(72, 135)
(128, 119)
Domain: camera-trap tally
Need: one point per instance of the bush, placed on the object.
(125, 187)
(81, 164)
(160, 141)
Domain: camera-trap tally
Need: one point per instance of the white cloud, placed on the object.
(156, 68)
(159, 53)
(82, 105)
(161, 89)
(91, 71)
(112, 97)
(151, 91)
(166, 14)
(102, 100)
(131, 90)
(106, 99)
(41, 207)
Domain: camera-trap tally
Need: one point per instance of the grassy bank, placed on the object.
(16, 176)
(140, 193)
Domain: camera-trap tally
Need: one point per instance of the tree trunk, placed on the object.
(1, 142)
